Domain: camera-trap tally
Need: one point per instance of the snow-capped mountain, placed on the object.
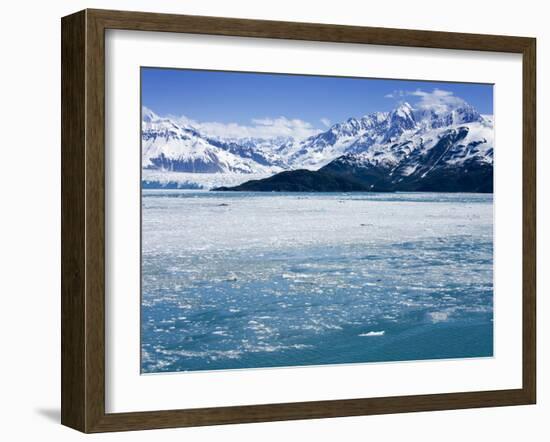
(172, 147)
(407, 145)
(456, 159)
(377, 134)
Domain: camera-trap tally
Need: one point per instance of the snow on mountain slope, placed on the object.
(388, 136)
(403, 142)
(341, 138)
(167, 146)
(457, 158)
(409, 147)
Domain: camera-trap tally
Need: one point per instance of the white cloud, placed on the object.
(326, 122)
(259, 128)
(184, 121)
(395, 94)
(438, 100)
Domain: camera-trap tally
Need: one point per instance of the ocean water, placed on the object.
(251, 280)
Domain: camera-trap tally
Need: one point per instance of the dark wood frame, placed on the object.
(83, 218)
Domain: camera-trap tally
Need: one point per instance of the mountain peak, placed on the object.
(147, 115)
(401, 119)
(439, 116)
(403, 137)
(404, 106)
(403, 111)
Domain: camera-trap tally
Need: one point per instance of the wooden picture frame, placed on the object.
(83, 220)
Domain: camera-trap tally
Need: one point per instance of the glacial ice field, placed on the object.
(236, 280)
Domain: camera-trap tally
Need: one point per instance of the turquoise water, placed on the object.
(250, 280)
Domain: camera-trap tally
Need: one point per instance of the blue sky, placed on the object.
(251, 98)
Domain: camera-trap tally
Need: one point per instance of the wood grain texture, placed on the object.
(83, 220)
(145, 21)
(73, 129)
(529, 220)
(95, 221)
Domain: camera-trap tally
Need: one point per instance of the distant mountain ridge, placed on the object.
(446, 148)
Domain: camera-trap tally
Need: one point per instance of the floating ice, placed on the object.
(374, 333)
(293, 279)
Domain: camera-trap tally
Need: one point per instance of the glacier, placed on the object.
(397, 143)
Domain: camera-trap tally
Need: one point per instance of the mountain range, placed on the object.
(438, 148)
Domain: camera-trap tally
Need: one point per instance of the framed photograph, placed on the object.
(267, 221)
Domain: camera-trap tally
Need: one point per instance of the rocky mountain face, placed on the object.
(453, 162)
(407, 149)
(171, 147)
